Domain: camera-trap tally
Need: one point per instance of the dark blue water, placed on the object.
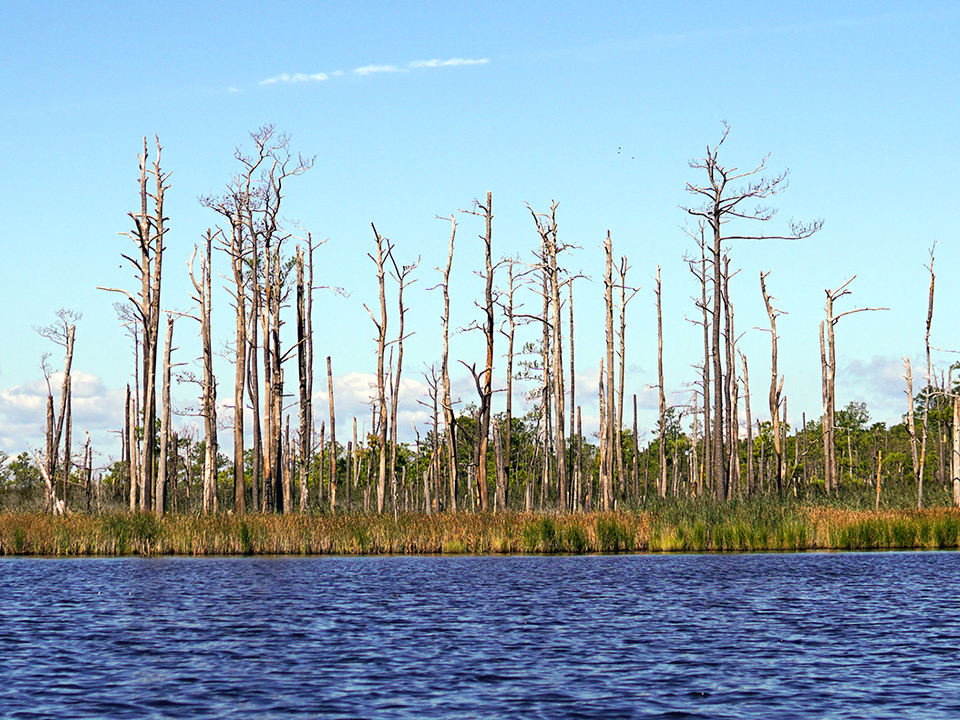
(709, 636)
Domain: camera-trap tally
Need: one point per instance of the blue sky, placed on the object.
(414, 110)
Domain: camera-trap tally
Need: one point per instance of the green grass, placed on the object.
(665, 526)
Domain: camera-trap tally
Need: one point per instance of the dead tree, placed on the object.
(725, 195)
(485, 387)
(446, 403)
(626, 295)
(401, 277)
(383, 252)
(251, 207)
(828, 359)
(929, 390)
(550, 248)
(662, 399)
(333, 439)
(776, 383)
(746, 403)
(202, 296)
(163, 469)
(55, 466)
(148, 235)
(509, 310)
(607, 416)
(305, 378)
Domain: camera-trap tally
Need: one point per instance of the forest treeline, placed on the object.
(722, 445)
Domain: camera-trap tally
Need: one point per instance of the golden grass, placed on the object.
(717, 528)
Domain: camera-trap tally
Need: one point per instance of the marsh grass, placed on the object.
(676, 526)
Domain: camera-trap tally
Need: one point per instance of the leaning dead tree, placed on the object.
(56, 464)
(725, 196)
(148, 236)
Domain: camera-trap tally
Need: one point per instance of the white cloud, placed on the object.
(23, 410)
(452, 62)
(370, 69)
(880, 383)
(294, 78)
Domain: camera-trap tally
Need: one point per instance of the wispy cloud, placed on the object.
(452, 62)
(296, 77)
(370, 69)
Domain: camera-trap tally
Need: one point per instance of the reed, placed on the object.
(677, 526)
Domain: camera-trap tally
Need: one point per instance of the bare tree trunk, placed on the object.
(929, 389)
(955, 455)
(607, 419)
(488, 329)
(751, 487)
(333, 439)
(501, 489)
(829, 461)
(624, 299)
(383, 251)
(604, 448)
(129, 453)
(449, 418)
(911, 424)
(776, 382)
(400, 275)
(203, 296)
(160, 496)
(303, 375)
(662, 476)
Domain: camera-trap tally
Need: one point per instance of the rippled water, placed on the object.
(701, 636)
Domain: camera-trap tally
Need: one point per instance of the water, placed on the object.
(696, 636)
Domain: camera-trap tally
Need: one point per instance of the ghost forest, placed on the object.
(718, 447)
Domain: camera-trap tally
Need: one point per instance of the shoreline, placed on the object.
(746, 528)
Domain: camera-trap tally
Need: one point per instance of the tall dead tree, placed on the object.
(776, 383)
(609, 414)
(662, 398)
(828, 359)
(930, 381)
(446, 403)
(383, 251)
(202, 296)
(725, 195)
(550, 248)
(509, 309)
(485, 384)
(626, 294)
(148, 236)
(401, 275)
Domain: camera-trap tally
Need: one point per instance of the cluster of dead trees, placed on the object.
(560, 470)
